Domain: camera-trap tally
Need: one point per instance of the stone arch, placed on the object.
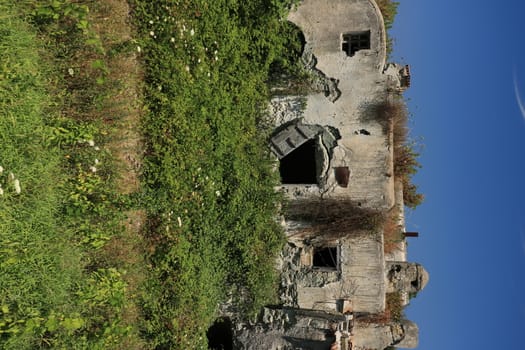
(304, 151)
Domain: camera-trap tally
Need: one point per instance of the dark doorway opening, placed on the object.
(325, 257)
(220, 335)
(298, 167)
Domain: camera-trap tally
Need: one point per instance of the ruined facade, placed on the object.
(336, 167)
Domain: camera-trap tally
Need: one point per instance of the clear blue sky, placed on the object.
(463, 55)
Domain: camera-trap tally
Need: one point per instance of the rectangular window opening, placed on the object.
(326, 257)
(353, 42)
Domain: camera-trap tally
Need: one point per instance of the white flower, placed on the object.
(97, 148)
(96, 161)
(1, 191)
(187, 68)
(192, 32)
(217, 193)
(139, 49)
(91, 143)
(93, 169)
(179, 221)
(152, 33)
(17, 186)
(70, 71)
(199, 60)
(150, 22)
(172, 39)
(209, 74)
(1, 169)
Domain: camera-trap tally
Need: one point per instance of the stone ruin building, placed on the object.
(334, 160)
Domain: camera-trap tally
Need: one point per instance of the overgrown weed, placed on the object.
(388, 9)
(333, 218)
(60, 208)
(209, 177)
(392, 114)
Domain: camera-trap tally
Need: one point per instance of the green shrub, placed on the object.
(209, 178)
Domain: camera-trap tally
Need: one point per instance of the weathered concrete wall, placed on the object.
(358, 279)
(364, 146)
(366, 336)
(323, 23)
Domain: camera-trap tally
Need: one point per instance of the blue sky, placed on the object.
(463, 56)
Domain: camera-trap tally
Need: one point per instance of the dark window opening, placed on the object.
(342, 175)
(220, 335)
(325, 257)
(298, 167)
(355, 42)
(415, 284)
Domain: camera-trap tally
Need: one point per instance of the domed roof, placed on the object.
(423, 277)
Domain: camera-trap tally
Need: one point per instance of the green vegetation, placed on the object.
(209, 179)
(58, 206)
(389, 11)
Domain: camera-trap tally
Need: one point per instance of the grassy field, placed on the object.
(60, 286)
(90, 258)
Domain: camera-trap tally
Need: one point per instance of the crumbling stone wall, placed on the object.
(368, 336)
(352, 85)
(359, 276)
(288, 329)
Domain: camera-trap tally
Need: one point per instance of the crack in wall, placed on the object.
(321, 82)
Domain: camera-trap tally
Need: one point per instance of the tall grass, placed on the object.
(56, 208)
(38, 268)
